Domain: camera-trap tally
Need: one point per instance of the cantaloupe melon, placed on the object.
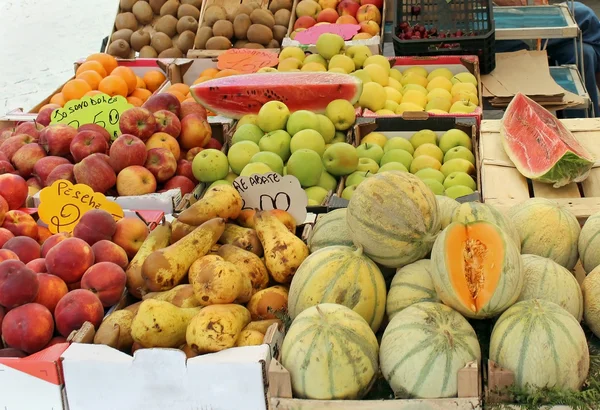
(331, 353)
(423, 348)
(589, 243)
(411, 284)
(394, 216)
(330, 230)
(475, 211)
(542, 344)
(546, 279)
(547, 229)
(476, 269)
(446, 206)
(342, 275)
(591, 300)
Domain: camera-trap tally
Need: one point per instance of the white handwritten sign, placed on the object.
(270, 191)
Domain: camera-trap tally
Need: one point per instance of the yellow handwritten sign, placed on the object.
(100, 109)
(62, 205)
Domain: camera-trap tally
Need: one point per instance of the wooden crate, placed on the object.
(503, 186)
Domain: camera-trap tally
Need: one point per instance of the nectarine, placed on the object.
(27, 249)
(52, 290)
(76, 308)
(94, 226)
(69, 259)
(18, 284)
(107, 280)
(28, 328)
(130, 234)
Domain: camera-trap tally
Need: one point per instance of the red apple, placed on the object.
(87, 143)
(6, 167)
(64, 171)
(164, 140)
(369, 27)
(127, 150)
(44, 166)
(191, 154)
(139, 122)
(304, 22)
(161, 163)
(184, 169)
(328, 16)
(34, 186)
(95, 172)
(213, 143)
(95, 128)
(26, 157)
(195, 131)
(167, 122)
(56, 139)
(184, 184)
(164, 101)
(192, 107)
(376, 3)
(14, 189)
(6, 134)
(368, 12)
(13, 144)
(30, 128)
(348, 8)
(45, 115)
(136, 180)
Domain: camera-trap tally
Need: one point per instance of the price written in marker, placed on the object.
(63, 204)
(272, 191)
(311, 35)
(246, 61)
(100, 109)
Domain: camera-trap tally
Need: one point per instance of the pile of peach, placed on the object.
(51, 284)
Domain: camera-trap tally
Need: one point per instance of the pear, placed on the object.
(166, 268)
(181, 296)
(179, 230)
(262, 325)
(115, 330)
(244, 238)
(250, 338)
(284, 251)
(221, 201)
(216, 328)
(216, 281)
(247, 263)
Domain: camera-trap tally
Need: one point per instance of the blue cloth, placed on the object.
(562, 51)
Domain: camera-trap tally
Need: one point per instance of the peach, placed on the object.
(30, 128)
(328, 15)
(87, 143)
(108, 251)
(69, 259)
(95, 172)
(25, 158)
(369, 27)
(94, 226)
(27, 249)
(5, 235)
(2, 314)
(43, 234)
(52, 290)
(164, 140)
(18, 284)
(6, 254)
(192, 107)
(95, 128)
(52, 241)
(162, 163)
(304, 22)
(56, 139)
(3, 210)
(191, 154)
(131, 233)
(184, 169)
(167, 122)
(74, 286)
(136, 180)
(368, 12)
(346, 20)
(195, 131)
(185, 184)
(13, 189)
(76, 308)
(28, 328)
(164, 101)
(13, 144)
(127, 150)
(107, 280)
(64, 171)
(46, 165)
(37, 265)
(20, 224)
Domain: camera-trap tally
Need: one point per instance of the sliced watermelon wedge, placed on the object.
(238, 95)
(540, 146)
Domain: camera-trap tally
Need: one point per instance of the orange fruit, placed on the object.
(75, 89)
(136, 102)
(202, 79)
(92, 65)
(108, 62)
(141, 93)
(177, 94)
(154, 79)
(140, 82)
(113, 85)
(209, 72)
(92, 93)
(90, 77)
(182, 88)
(226, 73)
(58, 99)
(128, 75)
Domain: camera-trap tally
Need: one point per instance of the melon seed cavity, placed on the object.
(474, 254)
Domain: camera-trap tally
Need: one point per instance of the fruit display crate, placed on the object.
(503, 185)
(456, 64)
(446, 28)
(230, 7)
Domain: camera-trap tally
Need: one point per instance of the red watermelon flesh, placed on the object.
(540, 146)
(238, 95)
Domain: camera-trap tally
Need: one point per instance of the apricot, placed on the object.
(18, 284)
(28, 328)
(27, 249)
(69, 259)
(107, 251)
(52, 241)
(94, 226)
(76, 308)
(52, 290)
(107, 280)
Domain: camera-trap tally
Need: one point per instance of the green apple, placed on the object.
(231, 176)
(327, 181)
(247, 119)
(210, 165)
(430, 173)
(423, 137)
(424, 161)
(306, 165)
(358, 54)
(367, 164)
(273, 116)
(341, 113)
(362, 75)
(314, 58)
(380, 61)
(340, 159)
(392, 166)
(339, 137)
(464, 78)
(308, 139)
(463, 107)
(357, 177)
(460, 178)
(459, 152)
(247, 132)
(255, 168)
(295, 52)
(285, 171)
(239, 155)
(302, 120)
(273, 160)
(219, 182)
(312, 202)
(348, 191)
(398, 143)
(373, 96)
(429, 149)
(316, 193)
(326, 128)
(455, 138)
(391, 105)
(457, 191)
(371, 151)
(457, 165)
(277, 142)
(397, 155)
(329, 44)
(435, 186)
(342, 61)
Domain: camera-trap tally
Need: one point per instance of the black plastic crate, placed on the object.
(446, 27)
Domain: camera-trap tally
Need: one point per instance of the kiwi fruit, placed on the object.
(240, 43)
(126, 20)
(277, 5)
(241, 24)
(204, 33)
(123, 34)
(126, 5)
(242, 9)
(214, 14)
(218, 43)
(143, 12)
(258, 33)
(175, 38)
(251, 3)
(185, 41)
(119, 48)
(279, 32)
(148, 52)
(139, 39)
(282, 17)
(172, 52)
(273, 44)
(187, 23)
(156, 5)
(223, 28)
(160, 42)
(167, 24)
(188, 10)
(169, 8)
(253, 45)
(264, 17)
(195, 3)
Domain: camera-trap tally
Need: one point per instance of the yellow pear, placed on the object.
(220, 201)
(115, 330)
(244, 238)
(247, 263)
(216, 281)
(420, 71)
(439, 82)
(216, 328)
(415, 97)
(180, 296)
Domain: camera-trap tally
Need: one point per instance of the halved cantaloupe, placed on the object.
(476, 269)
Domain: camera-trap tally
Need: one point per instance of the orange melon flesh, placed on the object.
(475, 253)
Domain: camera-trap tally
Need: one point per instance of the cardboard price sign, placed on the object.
(246, 60)
(100, 109)
(63, 204)
(272, 191)
(311, 35)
